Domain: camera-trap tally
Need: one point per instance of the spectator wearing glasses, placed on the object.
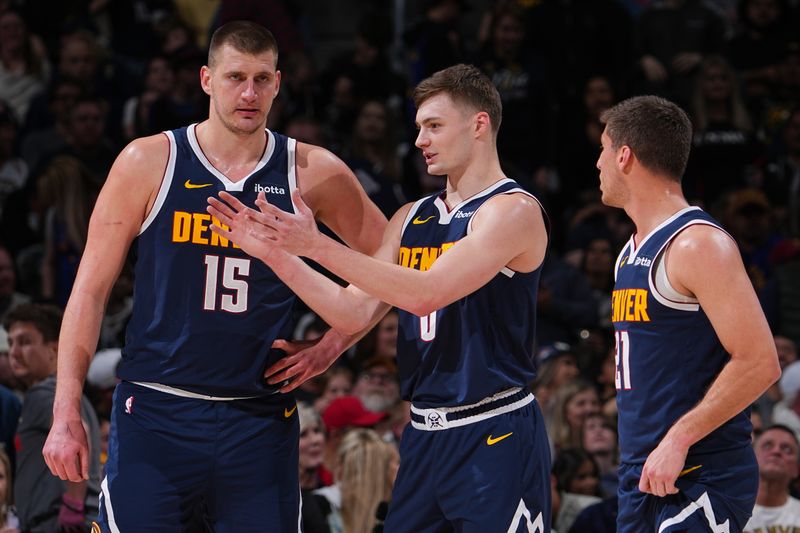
(377, 385)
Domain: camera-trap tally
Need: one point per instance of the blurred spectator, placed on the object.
(781, 297)
(70, 191)
(748, 220)
(557, 365)
(565, 302)
(45, 502)
(81, 58)
(342, 414)
(787, 351)
(306, 130)
(434, 42)
(377, 385)
(7, 377)
(158, 83)
(364, 478)
(524, 143)
(312, 454)
(9, 297)
(598, 268)
(275, 15)
(606, 380)
(599, 440)
(336, 382)
(673, 37)
(723, 146)
(185, 102)
(759, 47)
(13, 169)
(381, 341)
(576, 486)
(777, 452)
(10, 407)
(580, 40)
(579, 137)
(782, 178)
(372, 155)
(24, 69)
(597, 518)
(787, 411)
(787, 354)
(49, 129)
(9, 523)
(301, 95)
(572, 403)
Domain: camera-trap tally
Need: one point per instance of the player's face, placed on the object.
(445, 135)
(611, 187)
(32, 359)
(312, 446)
(242, 87)
(777, 455)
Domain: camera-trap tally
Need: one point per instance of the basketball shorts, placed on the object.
(716, 495)
(488, 471)
(175, 461)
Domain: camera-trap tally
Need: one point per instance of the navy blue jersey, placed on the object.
(479, 345)
(667, 352)
(205, 314)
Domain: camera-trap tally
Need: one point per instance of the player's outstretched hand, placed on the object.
(662, 468)
(303, 361)
(240, 224)
(66, 450)
(296, 234)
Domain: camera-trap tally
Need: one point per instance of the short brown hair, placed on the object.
(245, 36)
(465, 84)
(658, 132)
(46, 318)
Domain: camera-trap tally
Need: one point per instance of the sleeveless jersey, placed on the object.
(205, 314)
(479, 345)
(667, 352)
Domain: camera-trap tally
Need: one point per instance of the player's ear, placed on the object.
(205, 79)
(483, 123)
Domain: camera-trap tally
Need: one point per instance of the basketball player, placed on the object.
(463, 266)
(193, 418)
(693, 347)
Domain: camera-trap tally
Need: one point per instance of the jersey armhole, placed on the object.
(166, 182)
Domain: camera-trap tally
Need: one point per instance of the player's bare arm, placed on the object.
(123, 203)
(334, 195)
(507, 231)
(705, 262)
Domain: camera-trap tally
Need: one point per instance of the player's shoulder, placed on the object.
(703, 240)
(515, 205)
(143, 159)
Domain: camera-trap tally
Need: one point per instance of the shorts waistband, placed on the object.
(188, 394)
(451, 417)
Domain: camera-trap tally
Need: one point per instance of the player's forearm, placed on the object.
(76, 347)
(341, 308)
(406, 288)
(738, 385)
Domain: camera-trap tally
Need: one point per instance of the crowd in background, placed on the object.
(81, 81)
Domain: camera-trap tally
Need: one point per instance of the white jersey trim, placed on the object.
(106, 499)
(411, 213)
(635, 249)
(702, 503)
(166, 183)
(505, 270)
(291, 171)
(442, 412)
(658, 280)
(188, 394)
(229, 185)
(446, 215)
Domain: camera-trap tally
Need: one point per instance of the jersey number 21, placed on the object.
(622, 357)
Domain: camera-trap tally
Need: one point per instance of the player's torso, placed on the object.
(205, 313)
(478, 345)
(667, 353)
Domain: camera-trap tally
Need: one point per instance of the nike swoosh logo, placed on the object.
(190, 185)
(418, 221)
(287, 413)
(690, 469)
(490, 441)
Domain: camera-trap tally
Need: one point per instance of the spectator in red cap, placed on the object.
(341, 415)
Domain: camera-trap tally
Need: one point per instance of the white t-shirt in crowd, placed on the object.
(768, 519)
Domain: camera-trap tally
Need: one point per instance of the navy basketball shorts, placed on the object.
(489, 475)
(716, 494)
(174, 461)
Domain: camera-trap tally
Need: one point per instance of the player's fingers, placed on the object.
(298, 201)
(222, 232)
(219, 215)
(220, 206)
(83, 462)
(232, 201)
(644, 484)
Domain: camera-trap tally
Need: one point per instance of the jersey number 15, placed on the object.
(234, 271)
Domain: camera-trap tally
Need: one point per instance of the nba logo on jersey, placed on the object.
(129, 405)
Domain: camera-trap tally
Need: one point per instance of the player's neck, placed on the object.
(479, 173)
(651, 205)
(233, 155)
